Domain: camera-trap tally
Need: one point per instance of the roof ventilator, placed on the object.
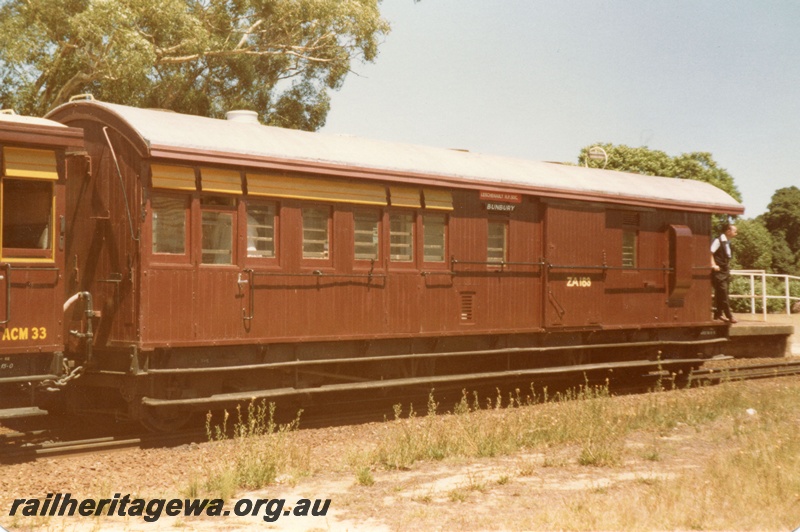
(243, 117)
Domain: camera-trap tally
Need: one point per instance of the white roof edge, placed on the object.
(189, 132)
(31, 120)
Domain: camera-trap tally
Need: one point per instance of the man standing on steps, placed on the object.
(721, 274)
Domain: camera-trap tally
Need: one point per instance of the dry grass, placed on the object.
(586, 416)
(579, 461)
(260, 451)
(753, 482)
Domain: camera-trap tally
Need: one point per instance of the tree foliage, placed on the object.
(699, 166)
(753, 246)
(782, 219)
(276, 57)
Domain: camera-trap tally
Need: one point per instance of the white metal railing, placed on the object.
(764, 296)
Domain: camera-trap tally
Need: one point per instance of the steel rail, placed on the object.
(740, 373)
(106, 443)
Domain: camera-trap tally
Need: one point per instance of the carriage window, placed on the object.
(217, 230)
(315, 232)
(366, 235)
(169, 224)
(497, 242)
(401, 241)
(629, 248)
(433, 227)
(261, 231)
(27, 215)
(630, 226)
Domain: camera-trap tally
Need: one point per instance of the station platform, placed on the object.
(755, 337)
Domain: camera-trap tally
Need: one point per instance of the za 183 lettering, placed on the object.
(581, 282)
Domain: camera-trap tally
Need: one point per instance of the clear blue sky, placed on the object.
(542, 79)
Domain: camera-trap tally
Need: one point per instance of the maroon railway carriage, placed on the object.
(33, 171)
(230, 260)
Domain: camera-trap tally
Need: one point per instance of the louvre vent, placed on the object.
(467, 306)
(630, 219)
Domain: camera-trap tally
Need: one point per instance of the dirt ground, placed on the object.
(514, 492)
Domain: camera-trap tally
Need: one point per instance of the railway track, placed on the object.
(740, 373)
(26, 450)
(33, 445)
(42, 443)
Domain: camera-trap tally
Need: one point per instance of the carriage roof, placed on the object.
(165, 134)
(31, 131)
(13, 118)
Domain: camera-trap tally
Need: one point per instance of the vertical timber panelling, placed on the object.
(218, 309)
(124, 193)
(636, 295)
(90, 233)
(698, 301)
(575, 246)
(468, 244)
(499, 297)
(167, 293)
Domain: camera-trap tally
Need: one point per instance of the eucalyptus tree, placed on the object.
(782, 219)
(277, 57)
(699, 166)
(753, 246)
